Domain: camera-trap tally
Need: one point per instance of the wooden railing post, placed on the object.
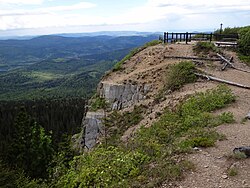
(167, 37)
(164, 38)
(186, 37)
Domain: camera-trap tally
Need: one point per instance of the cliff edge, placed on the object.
(140, 81)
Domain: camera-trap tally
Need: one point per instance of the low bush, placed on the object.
(97, 103)
(207, 102)
(117, 123)
(103, 167)
(232, 171)
(180, 74)
(244, 41)
(205, 48)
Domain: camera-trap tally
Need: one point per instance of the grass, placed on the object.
(239, 155)
(118, 66)
(232, 171)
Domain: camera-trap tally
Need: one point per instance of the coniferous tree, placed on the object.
(31, 149)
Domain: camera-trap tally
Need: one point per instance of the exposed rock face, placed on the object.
(92, 127)
(120, 96)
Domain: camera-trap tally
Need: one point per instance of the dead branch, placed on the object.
(192, 58)
(222, 81)
(229, 63)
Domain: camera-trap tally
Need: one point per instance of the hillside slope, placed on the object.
(148, 69)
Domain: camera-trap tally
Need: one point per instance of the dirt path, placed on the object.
(213, 164)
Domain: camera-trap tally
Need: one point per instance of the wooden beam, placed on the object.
(222, 81)
(192, 58)
(229, 62)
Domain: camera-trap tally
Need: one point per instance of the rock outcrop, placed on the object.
(120, 96)
(92, 127)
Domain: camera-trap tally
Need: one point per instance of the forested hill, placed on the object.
(57, 66)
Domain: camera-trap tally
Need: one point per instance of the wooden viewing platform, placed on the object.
(188, 37)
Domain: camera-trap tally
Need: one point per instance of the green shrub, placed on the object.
(180, 74)
(117, 123)
(205, 47)
(244, 41)
(118, 66)
(208, 101)
(97, 103)
(244, 58)
(226, 117)
(103, 167)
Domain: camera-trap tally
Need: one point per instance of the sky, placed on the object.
(35, 17)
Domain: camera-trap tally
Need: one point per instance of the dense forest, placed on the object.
(57, 117)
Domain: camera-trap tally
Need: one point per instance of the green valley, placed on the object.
(59, 67)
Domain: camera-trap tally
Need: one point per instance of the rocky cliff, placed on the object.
(117, 96)
(120, 96)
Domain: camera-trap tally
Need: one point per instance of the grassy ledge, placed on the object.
(118, 66)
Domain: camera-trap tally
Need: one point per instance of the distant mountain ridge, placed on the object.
(57, 66)
(84, 34)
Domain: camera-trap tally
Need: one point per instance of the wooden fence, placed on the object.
(188, 37)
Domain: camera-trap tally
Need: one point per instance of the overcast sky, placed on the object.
(25, 17)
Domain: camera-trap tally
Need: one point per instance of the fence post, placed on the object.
(167, 37)
(164, 38)
(172, 37)
(211, 36)
(186, 37)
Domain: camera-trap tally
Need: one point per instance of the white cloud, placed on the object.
(30, 2)
(78, 6)
(172, 14)
(45, 17)
(38, 11)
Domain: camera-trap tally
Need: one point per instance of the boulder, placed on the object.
(243, 149)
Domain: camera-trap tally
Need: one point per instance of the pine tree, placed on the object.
(31, 149)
